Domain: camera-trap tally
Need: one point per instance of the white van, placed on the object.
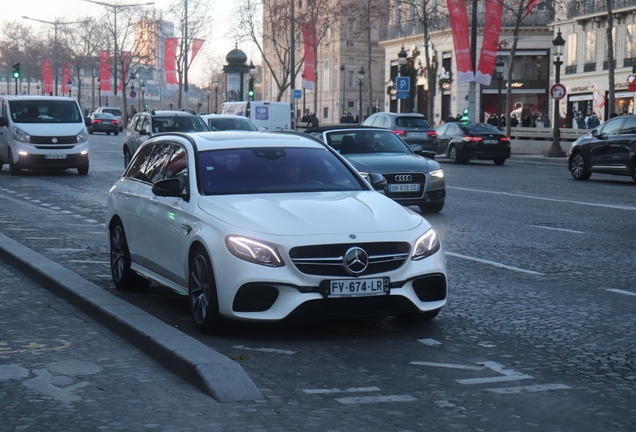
(267, 116)
(42, 132)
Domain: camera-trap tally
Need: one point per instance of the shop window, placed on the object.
(570, 51)
(630, 45)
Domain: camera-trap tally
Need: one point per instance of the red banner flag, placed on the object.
(104, 73)
(66, 76)
(490, 41)
(309, 74)
(47, 77)
(126, 57)
(170, 64)
(531, 5)
(459, 24)
(196, 46)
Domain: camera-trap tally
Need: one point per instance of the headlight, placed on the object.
(426, 245)
(437, 173)
(254, 251)
(21, 135)
(81, 136)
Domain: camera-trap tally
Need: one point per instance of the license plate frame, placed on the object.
(55, 156)
(491, 141)
(353, 288)
(404, 187)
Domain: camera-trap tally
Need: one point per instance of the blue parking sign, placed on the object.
(298, 94)
(403, 87)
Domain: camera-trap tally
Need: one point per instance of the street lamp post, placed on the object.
(142, 105)
(401, 62)
(360, 83)
(555, 148)
(70, 83)
(99, 92)
(500, 70)
(216, 96)
(342, 70)
(208, 92)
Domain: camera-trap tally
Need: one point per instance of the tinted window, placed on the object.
(44, 111)
(629, 127)
(133, 169)
(420, 122)
(348, 142)
(268, 170)
(611, 127)
(385, 123)
(184, 123)
(104, 116)
(442, 129)
(371, 121)
(481, 129)
(114, 111)
(238, 123)
(177, 166)
(152, 169)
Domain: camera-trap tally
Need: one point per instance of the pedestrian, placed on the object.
(514, 122)
(614, 114)
(593, 121)
(503, 121)
(575, 117)
(546, 120)
(526, 121)
(313, 120)
(580, 121)
(539, 121)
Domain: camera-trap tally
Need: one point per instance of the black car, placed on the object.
(411, 178)
(608, 149)
(413, 128)
(103, 122)
(462, 142)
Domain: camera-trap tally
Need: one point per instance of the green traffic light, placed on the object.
(16, 74)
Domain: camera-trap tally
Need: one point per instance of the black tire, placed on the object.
(432, 207)
(124, 277)
(107, 133)
(452, 155)
(116, 133)
(578, 167)
(499, 161)
(204, 303)
(90, 131)
(633, 169)
(14, 169)
(83, 170)
(127, 157)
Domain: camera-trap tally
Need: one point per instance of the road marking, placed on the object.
(90, 262)
(447, 365)
(529, 389)
(494, 263)
(619, 207)
(429, 342)
(41, 238)
(507, 378)
(335, 390)
(266, 350)
(65, 250)
(620, 291)
(558, 229)
(376, 399)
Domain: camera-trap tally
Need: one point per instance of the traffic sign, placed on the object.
(403, 87)
(298, 94)
(557, 91)
(133, 93)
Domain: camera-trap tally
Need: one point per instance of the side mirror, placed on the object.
(3, 122)
(143, 132)
(378, 182)
(170, 188)
(417, 149)
(87, 121)
(594, 133)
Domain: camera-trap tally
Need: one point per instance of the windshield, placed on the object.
(176, 123)
(238, 123)
(482, 128)
(44, 111)
(414, 122)
(114, 111)
(274, 170)
(350, 142)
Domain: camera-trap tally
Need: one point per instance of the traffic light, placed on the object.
(16, 70)
(250, 88)
(145, 105)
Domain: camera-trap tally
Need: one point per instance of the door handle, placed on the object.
(154, 200)
(128, 194)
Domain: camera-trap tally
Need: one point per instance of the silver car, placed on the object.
(413, 128)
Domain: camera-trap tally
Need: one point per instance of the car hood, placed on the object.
(314, 213)
(51, 129)
(387, 163)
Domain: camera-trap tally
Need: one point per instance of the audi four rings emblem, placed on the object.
(356, 260)
(403, 178)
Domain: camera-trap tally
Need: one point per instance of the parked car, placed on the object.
(265, 227)
(462, 142)
(411, 179)
(220, 122)
(146, 124)
(608, 149)
(413, 128)
(103, 122)
(111, 110)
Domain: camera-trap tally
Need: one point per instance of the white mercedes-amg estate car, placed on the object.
(265, 227)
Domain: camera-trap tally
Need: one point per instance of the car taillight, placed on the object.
(432, 134)
(473, 139)
(96, 121)
(115, 122)
(399, 132)
(504, 139)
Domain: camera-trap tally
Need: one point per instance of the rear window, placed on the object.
(184, 123)
(482, 128)
(418, 122)
(225, 124)
(114, 111)
(44, 111)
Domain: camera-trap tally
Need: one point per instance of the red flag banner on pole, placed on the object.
(126, 57)
(490, 41)
(196, 46)
(170, 64)
(104, 73)
(459, 24)
(66, 75)
(531, 5)
(309, 74)
(47, 77)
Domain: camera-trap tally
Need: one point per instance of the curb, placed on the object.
(213, 373)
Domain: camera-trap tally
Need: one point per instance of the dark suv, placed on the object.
(413, 128)
(608, 149)
(149, 123)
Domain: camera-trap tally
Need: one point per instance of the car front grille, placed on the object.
(397, 178)
(327, 260)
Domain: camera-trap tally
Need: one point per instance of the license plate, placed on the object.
(406, 187)
(106, 122)
(55, 156)
(490, 141)
(358, 287)
(418, 134)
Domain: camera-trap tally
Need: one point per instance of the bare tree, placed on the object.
(267, 24)
(19, 43)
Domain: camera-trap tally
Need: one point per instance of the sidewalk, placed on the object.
(539, 158)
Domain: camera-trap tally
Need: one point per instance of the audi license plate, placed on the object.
(358, 287)
(406, 187)
(418, 134)
(490, 141)
(55, 156)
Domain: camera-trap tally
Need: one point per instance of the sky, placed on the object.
(67, 10)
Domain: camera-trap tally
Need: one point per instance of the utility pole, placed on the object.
(472, 89)
(292, 56)
(185, 59)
